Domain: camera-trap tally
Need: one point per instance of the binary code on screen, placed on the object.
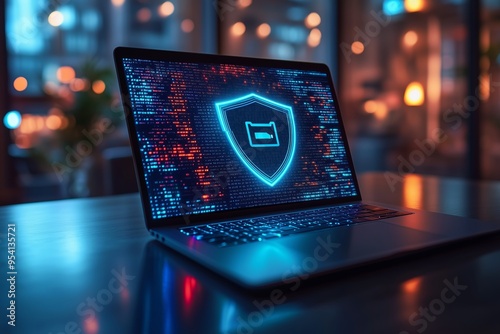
(190, 165)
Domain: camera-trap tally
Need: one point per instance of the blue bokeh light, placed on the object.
(393, 7)
(12, 119)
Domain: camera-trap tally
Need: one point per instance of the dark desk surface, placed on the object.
(85, 257)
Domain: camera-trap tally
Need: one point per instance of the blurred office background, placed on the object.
(418, 81)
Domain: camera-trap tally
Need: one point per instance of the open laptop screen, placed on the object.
(217, 137)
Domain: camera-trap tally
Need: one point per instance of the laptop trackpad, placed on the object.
(361, 242)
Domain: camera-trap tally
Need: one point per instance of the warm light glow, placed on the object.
(98, 86)
(91, 326)
(312, 20)
(39, 123)
(434, 76)
(357, 47)
(65, 74)
(245, 3)
(412, 191)
(187, 25)
(370, 106)
(78, 85)
(314, 38)
(20, 84)
(414, 94)
(64, 122)
(56, 18)
(143, 15)
(28, 124)
(378, 108)
(411, 286)
(485, 39)
(238, 29)
(484, 86)
(166, 9)
(410, 38)
(53, 122)
(263, 30)
(414, 5)
(117, 3)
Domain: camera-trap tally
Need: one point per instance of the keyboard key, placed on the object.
(263, 228)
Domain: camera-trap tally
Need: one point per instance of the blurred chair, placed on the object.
(119, 174)
(36, 183)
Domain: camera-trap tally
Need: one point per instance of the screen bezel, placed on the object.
(186, 57)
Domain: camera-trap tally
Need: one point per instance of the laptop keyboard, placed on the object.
(278, 226)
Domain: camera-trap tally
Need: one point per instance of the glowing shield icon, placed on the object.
(261, 132)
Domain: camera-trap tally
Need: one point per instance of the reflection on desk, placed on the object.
(90, 265)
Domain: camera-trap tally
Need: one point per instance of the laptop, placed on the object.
(243, 166)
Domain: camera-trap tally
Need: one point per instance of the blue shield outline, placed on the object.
(223, 107)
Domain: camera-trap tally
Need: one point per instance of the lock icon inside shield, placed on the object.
(261, 133)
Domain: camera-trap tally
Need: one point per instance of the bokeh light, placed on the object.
(263, 30)
(166, 9)
(53, 122)
(98, 86)
(414, 94)
(117, 3)
(143, 15)
(357, 47)
(414, 5)
(12, 119)
(65, 74)
(238, 29)
(20, 84)
(244, 3)
(187, 25)
(410, 38)
(312, 20)
(56, 18)
(314, 38)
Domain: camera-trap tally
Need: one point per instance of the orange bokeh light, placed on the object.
(414, 94)
(263, 30)
(312, 20)
(238, 29)
(65, 74)
(166, 9)
(411, 286)
(357, 47)
(20, 84)
(53, 122)
(245, 3)
(314, 38)
(410, 38)
(414, 5)
(98, 86)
